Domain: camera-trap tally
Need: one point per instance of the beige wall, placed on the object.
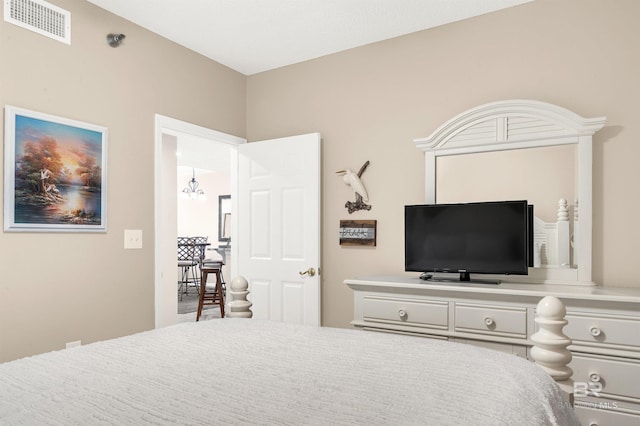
(58, 288)
(369, 103)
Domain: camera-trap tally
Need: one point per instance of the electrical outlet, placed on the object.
(133, 238)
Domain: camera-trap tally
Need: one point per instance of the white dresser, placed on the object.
(604, 325)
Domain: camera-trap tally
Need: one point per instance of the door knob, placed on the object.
(311, 272)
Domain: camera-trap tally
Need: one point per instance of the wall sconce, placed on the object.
(114, 40)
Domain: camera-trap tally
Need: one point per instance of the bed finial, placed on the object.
(239, 307)
(563, 211)
(550, 344)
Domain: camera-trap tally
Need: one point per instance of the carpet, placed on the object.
(189, 302)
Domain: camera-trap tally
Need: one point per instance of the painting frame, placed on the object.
(358, 233)
(72, 197)
(224, 218)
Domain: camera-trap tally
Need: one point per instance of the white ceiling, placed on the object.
(251, 36)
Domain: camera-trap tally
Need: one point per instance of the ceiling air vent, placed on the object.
(40, 17)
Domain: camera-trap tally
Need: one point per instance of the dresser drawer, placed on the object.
(610, 376)
(600, 417)
(407, 311)
(605, 330)
(492, 320)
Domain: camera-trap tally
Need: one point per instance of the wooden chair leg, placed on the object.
(203, 286)
(220, 294)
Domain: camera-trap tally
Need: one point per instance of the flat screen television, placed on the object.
(468, 238)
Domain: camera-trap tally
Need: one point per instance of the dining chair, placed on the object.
(188, 263)
(200, 245)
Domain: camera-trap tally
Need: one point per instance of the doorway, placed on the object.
(169, 134)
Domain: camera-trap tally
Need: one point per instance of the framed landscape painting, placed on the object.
(55, 173)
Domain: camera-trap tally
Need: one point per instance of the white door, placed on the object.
(279, 227)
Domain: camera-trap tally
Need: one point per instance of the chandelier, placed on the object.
(192, 191)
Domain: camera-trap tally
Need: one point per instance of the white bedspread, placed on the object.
(238, 371)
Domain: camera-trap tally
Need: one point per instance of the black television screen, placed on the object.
(484, 238)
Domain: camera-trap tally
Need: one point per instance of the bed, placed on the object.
(240, 371)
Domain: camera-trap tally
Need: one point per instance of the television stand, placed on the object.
(464, 278)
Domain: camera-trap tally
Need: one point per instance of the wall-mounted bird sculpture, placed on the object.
(353, 180)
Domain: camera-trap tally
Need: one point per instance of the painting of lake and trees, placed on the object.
(59, 176)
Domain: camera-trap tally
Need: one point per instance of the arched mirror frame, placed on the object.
(519, 124)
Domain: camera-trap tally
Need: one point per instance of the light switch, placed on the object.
(133, 238)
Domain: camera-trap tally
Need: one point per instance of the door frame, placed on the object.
(164, 273)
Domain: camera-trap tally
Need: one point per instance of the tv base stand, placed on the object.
(464, 278)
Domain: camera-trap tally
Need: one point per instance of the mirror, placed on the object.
(540, 175)
(224, 218)
(518, 149)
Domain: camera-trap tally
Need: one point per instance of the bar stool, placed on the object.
(210, 297)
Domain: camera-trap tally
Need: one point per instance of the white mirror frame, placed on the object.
(518, 124)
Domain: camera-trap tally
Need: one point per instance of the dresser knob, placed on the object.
(402, 314)
(594, 377)
(595, 331)
(489, 321)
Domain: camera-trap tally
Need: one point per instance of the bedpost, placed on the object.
(239, 306)
(550, 344)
